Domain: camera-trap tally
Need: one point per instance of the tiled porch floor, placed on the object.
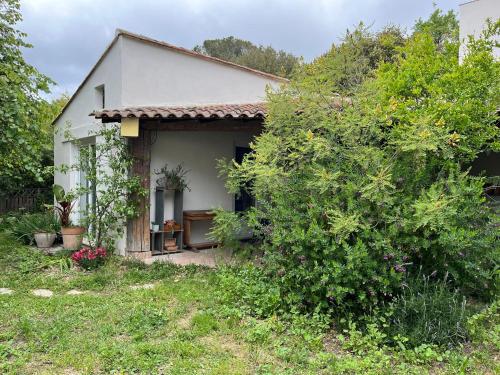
(208, 257)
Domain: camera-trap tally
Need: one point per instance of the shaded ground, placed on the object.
(165, 319)
(206, 257)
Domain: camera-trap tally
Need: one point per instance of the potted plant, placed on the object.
(45, 227)
(34, 227)
(173, 179)
(72, 234)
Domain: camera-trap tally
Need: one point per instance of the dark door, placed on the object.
(243, 200)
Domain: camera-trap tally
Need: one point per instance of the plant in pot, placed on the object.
(34, 227)
(173, 179)
(72, 234)
(45, 227)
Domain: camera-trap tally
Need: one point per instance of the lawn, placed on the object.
(165, 319)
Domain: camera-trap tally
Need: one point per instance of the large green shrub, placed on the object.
(353, 193)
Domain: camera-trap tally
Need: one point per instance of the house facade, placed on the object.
(189, 109)
(473, 17)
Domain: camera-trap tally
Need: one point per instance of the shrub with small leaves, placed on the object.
(354, 193)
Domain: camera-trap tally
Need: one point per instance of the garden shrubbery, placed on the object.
(357, 193)
(23, 226)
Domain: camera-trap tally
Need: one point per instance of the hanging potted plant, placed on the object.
(72, 234)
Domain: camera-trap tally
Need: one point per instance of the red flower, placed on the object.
(88, 258)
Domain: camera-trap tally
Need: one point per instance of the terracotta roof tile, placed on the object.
(212, 111)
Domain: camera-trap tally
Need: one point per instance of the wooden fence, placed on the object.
(26, 200)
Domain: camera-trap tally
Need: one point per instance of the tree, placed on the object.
(47, 112)
(341, 70)
(352, 200)
(20, 101)
(245, 53)
(442, 27)
(107, 167)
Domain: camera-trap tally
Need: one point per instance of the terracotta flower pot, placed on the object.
(169, 242)
(44, 239)
(72, 237)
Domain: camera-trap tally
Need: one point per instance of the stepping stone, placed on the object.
(6, 291)
(74, 292)
(145, 286)
(43, 293)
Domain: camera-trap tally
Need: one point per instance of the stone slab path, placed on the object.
(74, 292)
(145, 286)
(43, 293)
(46, 293)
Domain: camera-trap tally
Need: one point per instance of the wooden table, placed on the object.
(196, 215)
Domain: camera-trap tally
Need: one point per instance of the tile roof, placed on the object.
(212, 111)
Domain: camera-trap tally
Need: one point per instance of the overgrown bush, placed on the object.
(355, 192)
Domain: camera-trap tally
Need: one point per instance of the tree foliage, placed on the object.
(107, 167)
(20, 87)
(442, 27)
(353, 199)
(342, 69)
(243, 52)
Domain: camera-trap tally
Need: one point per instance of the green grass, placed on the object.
(177, 327)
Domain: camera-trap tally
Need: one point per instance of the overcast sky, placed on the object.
(70, 35)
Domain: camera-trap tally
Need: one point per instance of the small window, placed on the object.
(100, 97)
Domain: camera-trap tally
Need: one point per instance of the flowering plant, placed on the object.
(88, 258)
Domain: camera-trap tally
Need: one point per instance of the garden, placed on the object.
(375, 248)
(125, 317)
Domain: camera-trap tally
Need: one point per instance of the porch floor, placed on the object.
(208, 257)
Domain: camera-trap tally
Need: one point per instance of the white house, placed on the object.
(189, 108)
(473, 16)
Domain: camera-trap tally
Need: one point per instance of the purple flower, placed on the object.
(399, 268)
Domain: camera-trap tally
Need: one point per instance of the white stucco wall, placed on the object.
(473, 16)
(76, 115)
(198, 152)
(154, 75)
(77, 120)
